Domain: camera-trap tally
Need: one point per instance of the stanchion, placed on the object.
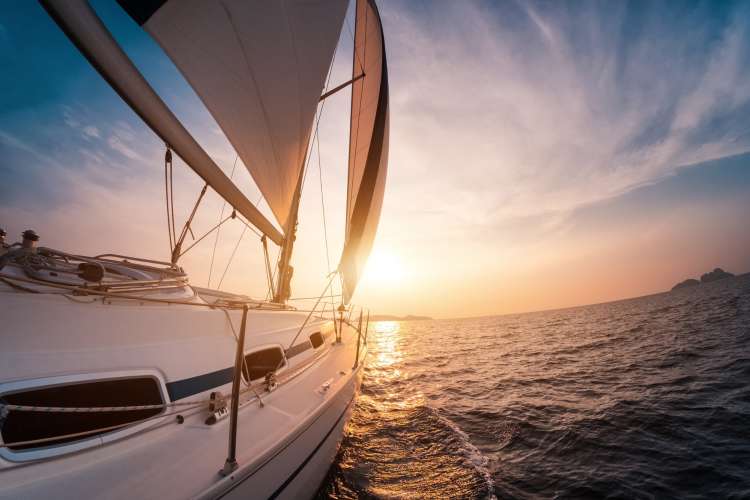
(359, 338)
(231, 464)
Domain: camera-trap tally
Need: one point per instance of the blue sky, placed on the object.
(543, 154)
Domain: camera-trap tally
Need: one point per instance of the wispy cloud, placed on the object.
(533, 109)
(91, 131)
(117, 143)
(509, 123)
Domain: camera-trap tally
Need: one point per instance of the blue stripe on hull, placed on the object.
(180, 389)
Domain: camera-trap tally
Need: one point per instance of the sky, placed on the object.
(542, 155)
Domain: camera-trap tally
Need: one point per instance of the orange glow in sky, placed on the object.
(527, 170)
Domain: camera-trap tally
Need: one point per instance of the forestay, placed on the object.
(259, 68)
(368, 144)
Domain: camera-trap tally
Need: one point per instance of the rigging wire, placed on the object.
(245, 228)
(310, 149)
(167, 176)
(171, 197)
(178, 245)
(271, 292)
(354, 47)
(308, 298)
(251, 228)
(269, 272)
(323, 208)
(217, 226)
(325, 226)
(309, 315)
(229, 263)
(216, 240)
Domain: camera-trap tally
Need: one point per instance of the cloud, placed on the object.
(540, 109)
(91, 131)
(508, 122)
(122, 140)
(68, 117)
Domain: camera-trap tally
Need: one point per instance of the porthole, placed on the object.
(317, 339)
(21, 426)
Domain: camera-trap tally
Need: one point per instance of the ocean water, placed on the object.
(641, 398)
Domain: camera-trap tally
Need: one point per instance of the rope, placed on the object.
(228, 304)
(96, 409)
(86, 433)
(18, 287)
(185, 406)
(140, 298)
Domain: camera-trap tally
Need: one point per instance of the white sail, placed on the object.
(368, 145)
(78, 20)
(259, 67)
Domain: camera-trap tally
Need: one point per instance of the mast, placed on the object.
(259, 68)
(283, 287)
(284, 279)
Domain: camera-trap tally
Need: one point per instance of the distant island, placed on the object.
(715, 275)
(388, 317)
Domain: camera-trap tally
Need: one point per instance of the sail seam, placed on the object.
(353, 160)
(266, 121)
(300, 153)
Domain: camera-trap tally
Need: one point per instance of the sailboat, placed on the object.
(121, 379)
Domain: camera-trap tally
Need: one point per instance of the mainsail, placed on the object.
(260, 68)
(368, 144)
(81, 24)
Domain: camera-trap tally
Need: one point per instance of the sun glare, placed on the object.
(384, 268)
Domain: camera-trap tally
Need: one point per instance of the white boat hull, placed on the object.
(298, 469)
(284, 446)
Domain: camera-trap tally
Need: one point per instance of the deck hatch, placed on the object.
(31, 425)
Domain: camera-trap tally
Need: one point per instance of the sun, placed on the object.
(384, 268)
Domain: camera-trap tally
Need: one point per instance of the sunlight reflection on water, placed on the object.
(638, 398)
(392, 449)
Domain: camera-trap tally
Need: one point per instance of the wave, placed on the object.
(472, 453)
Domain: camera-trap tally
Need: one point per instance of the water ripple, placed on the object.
(642, 398)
